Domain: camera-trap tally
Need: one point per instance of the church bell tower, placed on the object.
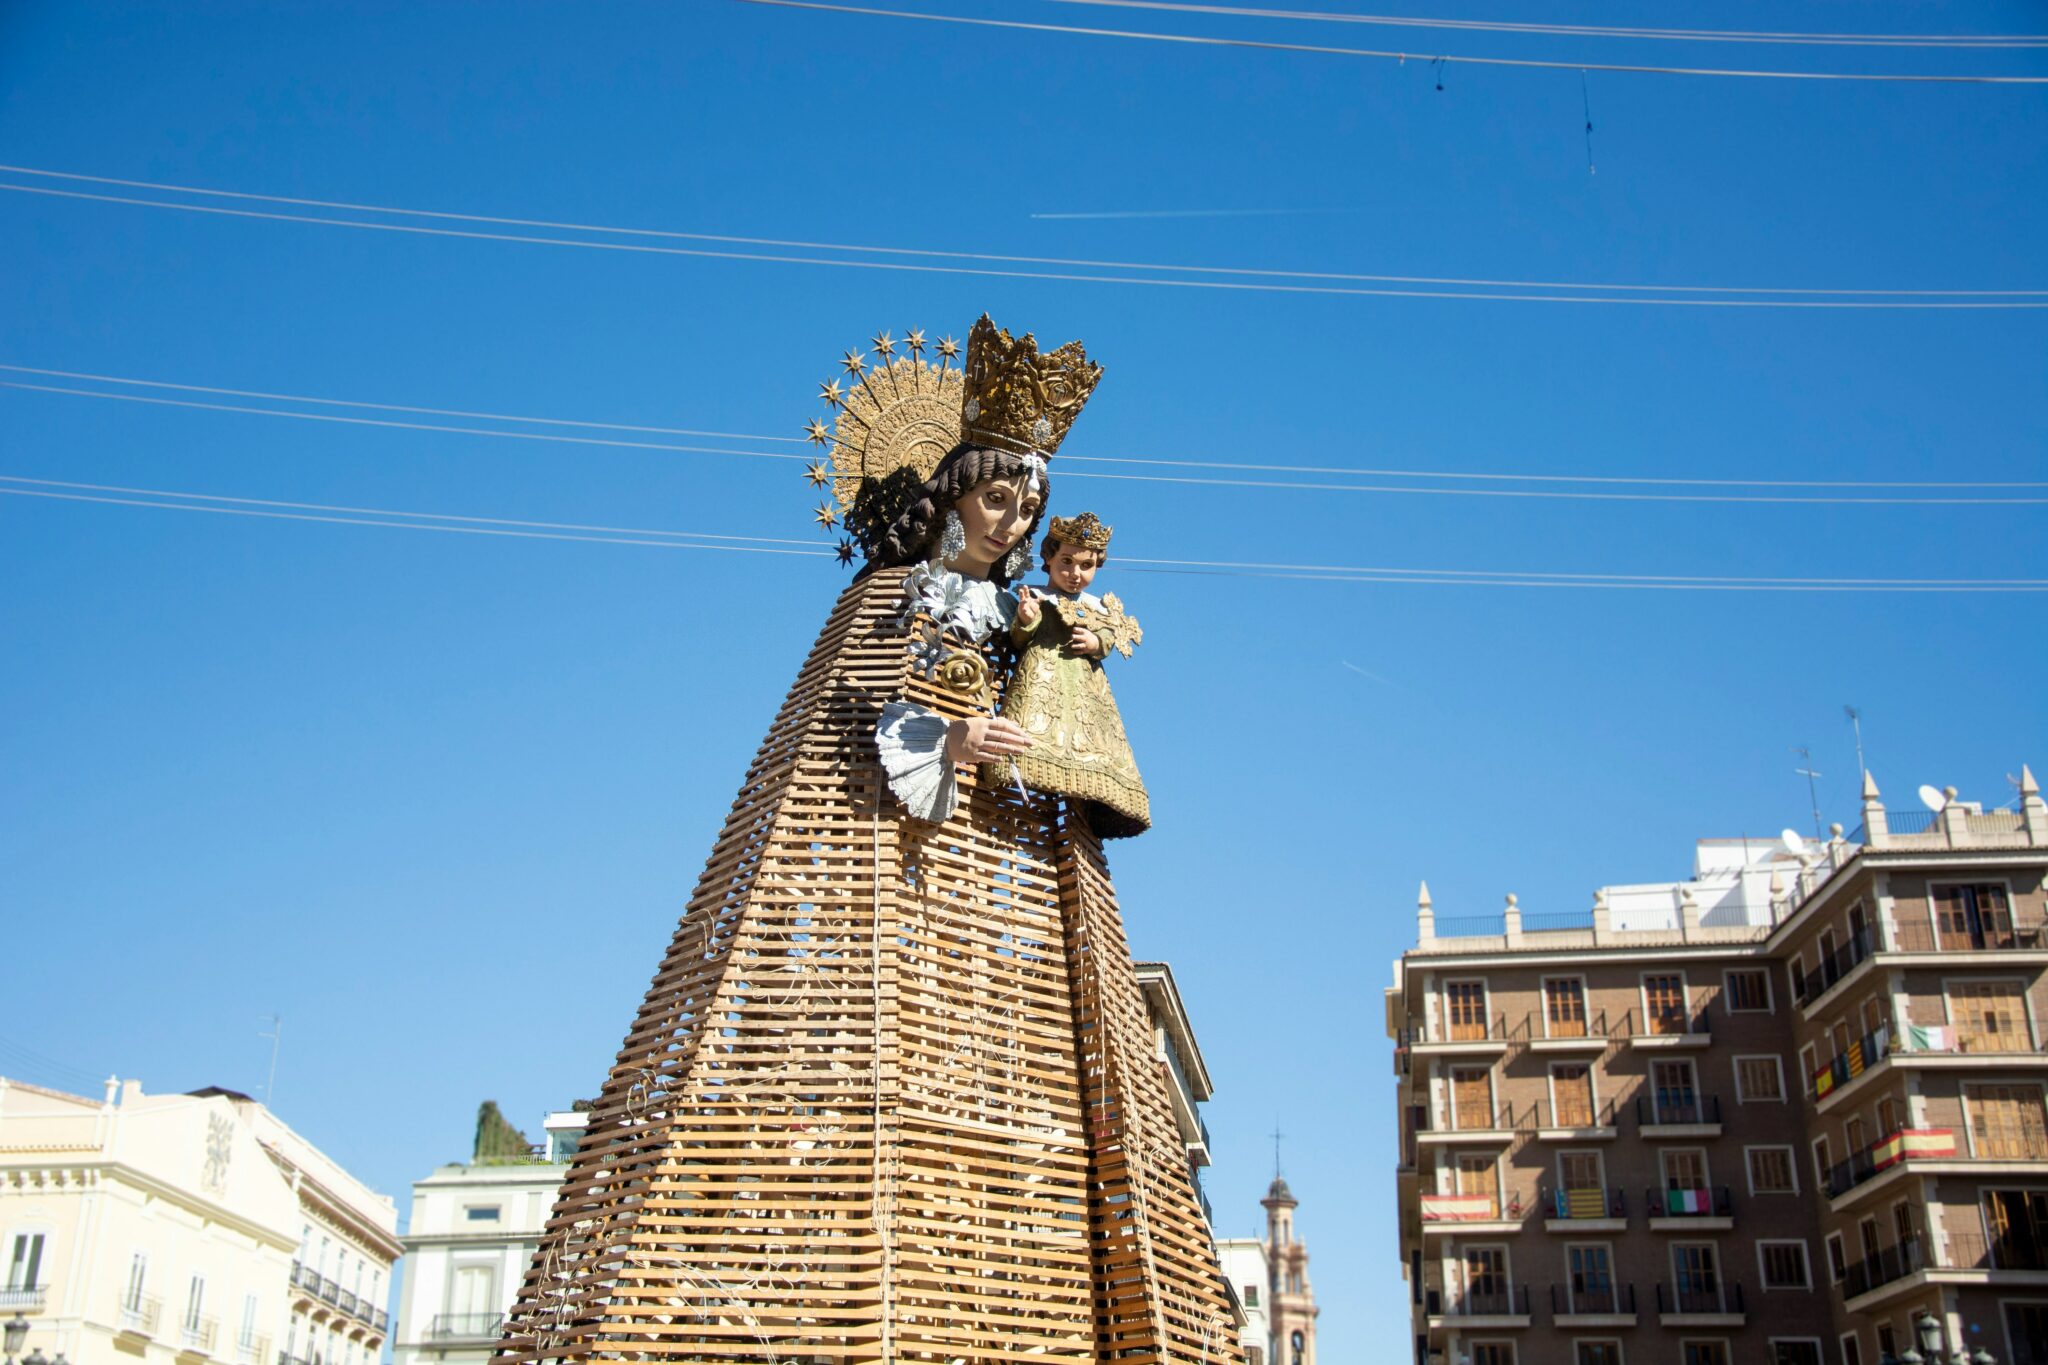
(1290, 1298)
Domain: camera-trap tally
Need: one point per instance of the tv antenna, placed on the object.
(1277, 1135)
(276, 1037)
(1812, 792)
(1856, 724)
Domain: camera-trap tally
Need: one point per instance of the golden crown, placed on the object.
(1085, 532)
(1019, 398)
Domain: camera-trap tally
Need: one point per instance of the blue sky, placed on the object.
(437, 799)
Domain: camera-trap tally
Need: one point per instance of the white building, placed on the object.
(185, 1228)
(1187, 1075)
(473, 1231)
(1250, 1272)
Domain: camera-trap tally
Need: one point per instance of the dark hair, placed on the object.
(1047, 549)
(914, 533)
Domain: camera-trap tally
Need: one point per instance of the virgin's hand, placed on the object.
(1085, 643)
(984, 738)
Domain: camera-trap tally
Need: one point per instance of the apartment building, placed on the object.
(1790, 1111)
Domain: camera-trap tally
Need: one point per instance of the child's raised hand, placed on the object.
(1027, 609)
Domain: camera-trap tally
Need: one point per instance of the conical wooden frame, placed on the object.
(892, 1095)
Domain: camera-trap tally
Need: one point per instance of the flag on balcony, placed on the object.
(1823, 1080)
(1582, 1203)
(1686, 1201)
(1930, 1037)
(1854, 1056)
(1456, 1208)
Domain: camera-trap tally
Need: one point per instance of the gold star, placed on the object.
(816, 432)
(950, 349)
(827, 515)
(832, 394)
(853, 363)
(914, 339)
(845, 550)
(885, 345)
(818, 474)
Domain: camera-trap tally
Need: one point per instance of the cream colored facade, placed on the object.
(185, 1228)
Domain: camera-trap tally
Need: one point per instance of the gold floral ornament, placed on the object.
(963, 672)
(1115, 627)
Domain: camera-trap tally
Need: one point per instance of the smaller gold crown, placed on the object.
(1085, 532)
(1019, 398)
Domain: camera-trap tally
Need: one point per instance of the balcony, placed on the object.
(25, 1299)
(1575, 1120)
(345, 1301)
(252, 1350)
(1693, 1303)
(1593, 1209)
(1593, 1303)
(1834, 968)
(1470, 1124)
(1862, 1054)
(1478, 1309)
(330, 1292)
(1678, 1114)
(1690, 1210)
(1886, 1266)
(1467, 1214)
(1995, 933)
(465, 1326)
(305, 1277)
(1544, 1034)
(1463, 1038)
(197, 1334)
(1901, 1148)
(1666, 1028)
(139, 1314)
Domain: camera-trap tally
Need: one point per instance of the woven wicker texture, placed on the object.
(892, 1095)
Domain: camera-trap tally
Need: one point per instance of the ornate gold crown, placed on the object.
(1019, 398)
(1085, 532)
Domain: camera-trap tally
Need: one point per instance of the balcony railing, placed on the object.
(1575, 1112)
(1695, 1297)
(2002, 933)
(197, 1334)
(1862, 1054)
(1883, 1266)
(330, 1292)
(1473, 1119)
(1664, 1023)
(1835, 966)
(345, 1301)
(1505, 1301)
(381, 1321)
(1591, 1295)
(447, 1325)
(1586, 1203)
(26, 1299)
(252, 1350)
(1538, 1025)
(1905, 1145)
(1677, 1107)
(305, 1277)
(1461, 1208)
(139, 1313)
(1689, 1203)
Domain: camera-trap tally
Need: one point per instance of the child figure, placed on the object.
(1058, 692)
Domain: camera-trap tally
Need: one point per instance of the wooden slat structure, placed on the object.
(892, 1095)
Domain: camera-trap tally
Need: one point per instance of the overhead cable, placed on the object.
(1065, 460)
(175, 501)
(1196, 40)
(1959, 41)
(1248, 280)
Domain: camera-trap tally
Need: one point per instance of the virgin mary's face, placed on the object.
(996, 514)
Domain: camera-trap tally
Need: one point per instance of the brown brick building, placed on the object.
(1773, 1116)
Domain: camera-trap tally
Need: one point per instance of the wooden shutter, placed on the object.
(1564, 1007)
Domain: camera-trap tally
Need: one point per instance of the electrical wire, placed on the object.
(1195, 40)
(1189, 480)
(162, 499)
(1958, 41)
(1062, 262)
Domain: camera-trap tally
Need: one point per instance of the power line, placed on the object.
(158, 498)
(1944, 300)
(1188, 480)
(1958, 41)
(1064, 459)
(1194, 40)
(1063, 262)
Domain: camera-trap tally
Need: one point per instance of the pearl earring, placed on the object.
(952, 539)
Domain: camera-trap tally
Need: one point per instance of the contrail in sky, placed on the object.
(1193, 213)
(1364, 672)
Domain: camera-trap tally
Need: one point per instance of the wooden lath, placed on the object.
(891, 1096)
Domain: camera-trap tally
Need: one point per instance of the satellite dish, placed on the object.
(1932, 798)
(1790, 841)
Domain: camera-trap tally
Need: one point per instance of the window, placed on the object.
(138, 1276)
(1486, 1279)
(1493, 1353)
(1771, 1170)
(1476, 1176)
(1677, 1098)
(471, 1294)
(1784, 1265)
(482, 1213)
(1571, 1090)
(2026, 1330)
(1888, 1344)
(1579, 1171)
(1905, 1225)
(1564, 1007)
(1664, 1009)
(1820, 1162)
(1852, 1350)
(1696, 1278)
(2017, 1222)
(1873, 1014)
(1759, 1079)
(195, 1302)
(1838, 1258)
(1748, 990)
(1251, 1296)
(1972, 917)
(1471, 1097)
(1591, 1272)
(1465, 1010)
(1254, 1356)
(24, 1267)
(1890, 1116)
(1597, 1353)
(1795, 1352)
(2006, 1121)
(1989, 1016)
(247, 1336)
(1704, 1352)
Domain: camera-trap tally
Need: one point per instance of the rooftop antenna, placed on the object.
(1812, 792)
(276, 1036)
(1933, 797)
(1856, 724)
(1277, 1135)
